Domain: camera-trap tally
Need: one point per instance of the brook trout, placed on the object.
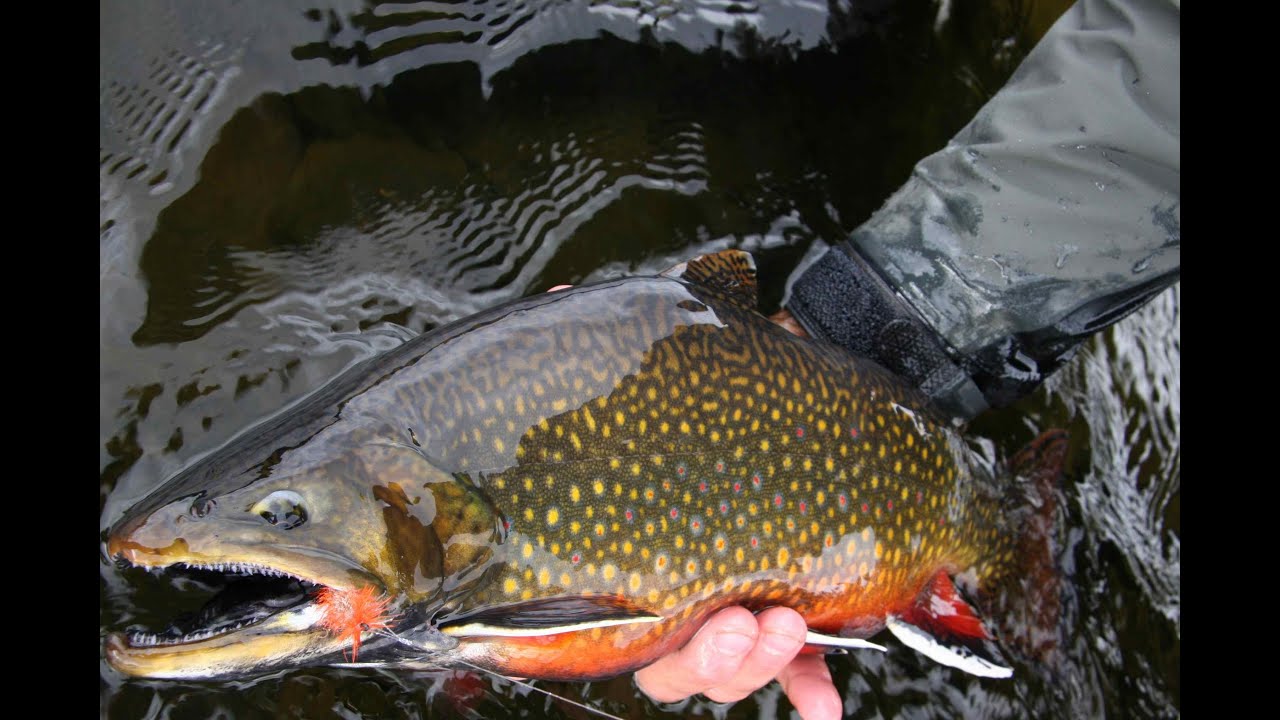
(565, 487)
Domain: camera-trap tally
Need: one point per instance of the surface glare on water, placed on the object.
(286, 190)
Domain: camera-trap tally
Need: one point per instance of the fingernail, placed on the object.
(733, 644)
(780, 644)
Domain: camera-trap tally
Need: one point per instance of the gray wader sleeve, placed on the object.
(1051, 215)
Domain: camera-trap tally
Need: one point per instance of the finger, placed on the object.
(788, 321)
(711, 658)
(807, 683)
(782, 632)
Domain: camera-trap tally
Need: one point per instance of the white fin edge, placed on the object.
(482, 629)
(813, 638)
(920, 641)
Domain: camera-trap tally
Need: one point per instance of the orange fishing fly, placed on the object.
(349, 613)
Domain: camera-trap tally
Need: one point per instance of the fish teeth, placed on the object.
(241, 568)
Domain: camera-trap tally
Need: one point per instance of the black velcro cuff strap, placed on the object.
(842, 299)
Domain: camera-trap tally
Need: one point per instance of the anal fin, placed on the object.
(946, 628)
(956, 656)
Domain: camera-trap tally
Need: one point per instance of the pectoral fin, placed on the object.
(550, 616)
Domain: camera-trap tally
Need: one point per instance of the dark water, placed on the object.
(286, 191)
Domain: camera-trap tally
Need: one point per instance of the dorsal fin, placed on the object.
(548, 616)
(943, 626)
(730, 272)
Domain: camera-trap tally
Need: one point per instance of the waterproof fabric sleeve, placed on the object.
(1052, 214)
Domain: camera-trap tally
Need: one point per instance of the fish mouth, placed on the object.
(262, 615)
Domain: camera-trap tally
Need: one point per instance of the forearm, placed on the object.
(1052, 214)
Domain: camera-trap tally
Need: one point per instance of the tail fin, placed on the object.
(1027, 602)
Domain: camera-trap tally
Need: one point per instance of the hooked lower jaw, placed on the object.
(291, 635)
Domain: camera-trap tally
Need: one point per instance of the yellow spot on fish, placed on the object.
(635, 468)
(509, 586)
(526, 551)
(553, 516)
(544, 577)
(608, 571)
(784, 555)
(597, 487)
(634, 582)
(764, 446)
(574, 495)
(528, 514)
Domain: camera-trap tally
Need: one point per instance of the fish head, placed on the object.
(335, 516)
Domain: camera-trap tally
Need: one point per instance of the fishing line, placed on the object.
(588, 708)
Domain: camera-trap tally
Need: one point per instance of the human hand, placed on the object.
(736, 653)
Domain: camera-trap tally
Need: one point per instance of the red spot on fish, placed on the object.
(737, 486)
(803, 507)
(889, 505)
(506, 524)
(724, 508)
(777, 500)
(756, 481)
(674, 513)
(666, 484)
(575, 559)
(680, 471)
(799, 432)
(843, 500)
(628, 515)
(755, 541)
(942, 521)
(853, 432)
(864, 507)
(720, 466)
(350, 613)
(702, 486)
(919, 496)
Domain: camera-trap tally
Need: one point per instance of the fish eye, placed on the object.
(282, 508)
